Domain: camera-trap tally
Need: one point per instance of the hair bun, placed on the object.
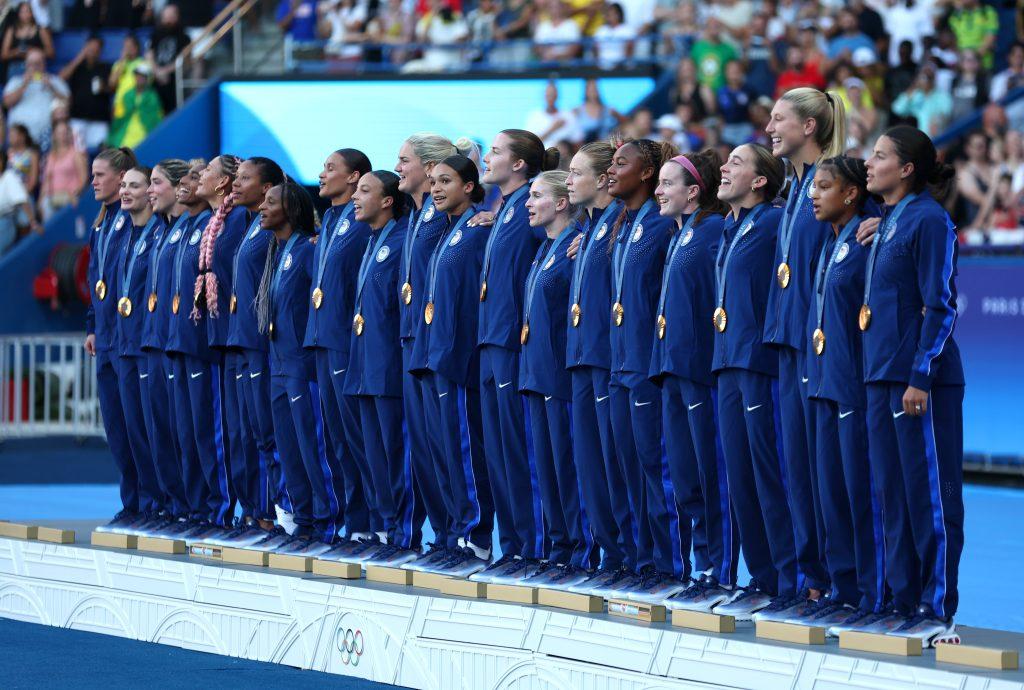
(465, 146)
(551, 159)
(943, 172)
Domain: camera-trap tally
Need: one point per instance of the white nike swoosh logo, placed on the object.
(504, 385)
(170, 377)
(197, 374)
(547, 397)
(844, 415)
(339, 371)
(601, 399)
(751, 409)
(143, 376)
(296, 398)
(441, 395)
(695, 406)
(252, 376)
(804, 379)
(637, 403)
(898, 414)
(239, 376)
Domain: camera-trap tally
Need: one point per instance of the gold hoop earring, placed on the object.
(847, 202)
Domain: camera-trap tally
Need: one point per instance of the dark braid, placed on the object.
(852, 171)
(298, 212)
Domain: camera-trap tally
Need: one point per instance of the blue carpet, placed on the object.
(39, 656)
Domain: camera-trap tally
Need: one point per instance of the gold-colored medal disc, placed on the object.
(720, 319)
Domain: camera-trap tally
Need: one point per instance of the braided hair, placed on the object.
(206, 281)
(852, 172)
(299, 216)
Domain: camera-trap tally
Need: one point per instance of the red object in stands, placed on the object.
(45, 284)
(24, 401)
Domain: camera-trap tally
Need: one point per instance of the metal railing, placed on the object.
(227, 20)
(47, 387)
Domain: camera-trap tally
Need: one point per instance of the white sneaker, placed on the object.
(285, 519)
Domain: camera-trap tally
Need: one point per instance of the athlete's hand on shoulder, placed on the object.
(867, 229)
(90, 344)
(482, 218)
(314, 238)
(574, 247)
(915, 401)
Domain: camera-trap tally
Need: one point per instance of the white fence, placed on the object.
(47, 387)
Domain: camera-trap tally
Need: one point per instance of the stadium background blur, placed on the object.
(295, 79)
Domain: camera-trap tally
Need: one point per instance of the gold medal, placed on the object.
(270, 330)
(233, 304)
(524, 334)
(483, 291)
(175, 304)
(818, 339)
(357, 324)
(101, 289)
(318, 298)
(864, 318)
(720, 319)
(577, 313)
(618, 313)
(662, 325)
(783, 274)
(407, 293)
(428, 313)
(124, 307)
(151, 303)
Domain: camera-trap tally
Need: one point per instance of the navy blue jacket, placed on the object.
(913, 301)
(837, 374)
(184, 335)
(512, 250)
(542, 360)
(641, 286)
(250, 260)
(416, 259)
(787, 308)
(236, 223)
(160, 281)
(375, 357)
(689, 300)
(750, 273)
(448, 345)
(289, 302)
(330, 326)
(142, 245)
(589, 344)
(101, 314)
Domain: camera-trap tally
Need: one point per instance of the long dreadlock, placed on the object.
(298, 212)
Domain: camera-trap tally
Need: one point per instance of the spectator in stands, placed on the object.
(735, 16)
(15, 207)
(976, 27)
(22, 35)
(297, 19)
(681, 31)
(65, 172)
(975, 178)
(444, 28)
(167, 42)
(122, 74)
(927, 106)
(641, 125)
(595, 121)
(711, 53)
(515, 24)
(688, 90)
(557, 37)
(970, 85)
(343, 21)
(23, 157)
(848, 38)
(613, 40)
(138, 111)
(798, 72)
(860, 106)
(900, 77)
(669, 128)
(482, 22)
(551, 124)
(1010, 78)
(29, 97)
(868, 21)
(88, 78)
(733, 105)
(759, 57)
(906, 20)
(392, 25)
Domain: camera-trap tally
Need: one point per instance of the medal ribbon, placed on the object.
(276, 282)
(883, 230)
(238, 252)
(154, 266)
(791, 212)
(622, 251)
(721, 266)
(364, 267)
(440, 249)
(407, 247)
(321, 263)
(821, 280)
(499, 223)
(105, 237)
(534, 277)
(126, 282)
(673, 246)
(182, 244)
(588, 243)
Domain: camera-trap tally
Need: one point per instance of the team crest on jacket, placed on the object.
(550, 263)
(343, 226)
(119, 223)
(141, 248)
(687, 237)
(810, 189)
(603, 231)
(175, 236)
(196, 234)
(287, 262)
(508, 216)
(255, 232)
(892, 231)
(843, 251)
(383, 254)
(455, 238)
(639, 233)
(429, 213)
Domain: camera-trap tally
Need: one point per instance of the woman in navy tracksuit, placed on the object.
(588, 358)
(445, 354)
(854, 551)
(915, 384)
(374, 375)
(547, 384)
(640, 237)
(157, 400)
(248, 353)
(282, 313)
(106, 242)
(681, 364)
(416, 159)
(336, 258)
(129, 288)
(196, 390)
(747, 385)
(800, 238)
(514, 158)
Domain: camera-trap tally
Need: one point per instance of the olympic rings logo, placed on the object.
(350, 644)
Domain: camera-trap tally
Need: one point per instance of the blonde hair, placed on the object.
(433, 148)
(827, 110)
(555, 180)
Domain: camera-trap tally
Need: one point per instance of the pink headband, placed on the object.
(690, 168)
